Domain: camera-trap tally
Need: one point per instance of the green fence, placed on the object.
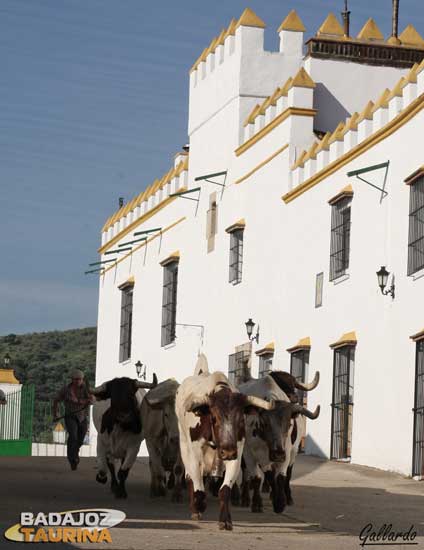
(16, 419)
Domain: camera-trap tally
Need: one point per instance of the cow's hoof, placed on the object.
(101, 478)
(245, 503)
(200, 501)
(177, 497)
(290, 501)
(121, 493)
(225, 525)
(196, 516)
(257, 509)
(235, 495)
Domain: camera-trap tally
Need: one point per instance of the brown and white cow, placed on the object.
(211, 420)
(273, 439)
(162, 437)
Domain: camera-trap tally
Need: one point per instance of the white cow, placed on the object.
(272, 442)
(211, 420)
(117, 418)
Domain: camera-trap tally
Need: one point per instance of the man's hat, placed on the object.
(76, 373)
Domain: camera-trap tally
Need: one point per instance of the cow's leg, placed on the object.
(266, 486)
(235, 495)
(171, 480)
(121, 491)
(197, 500)
(232, 470)
(192, 457)
(101, 476)
(278, 489)
(245, 495)
(269, 479)
(177, 494)
(287, 489)
(257, 505)
(113, 480)
(126, 464)
(157, 472)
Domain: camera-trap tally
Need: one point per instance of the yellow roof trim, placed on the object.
(420, 67)
(382, 101)
(304, 343)
(331, 26)
(239, 224)
(300, 160)
(366, 114)
(7, 376)
(418, 336)
(290, 111)
(394, 41)
(59, 427)
(398, 89)
(352, 123)
(221, 38)
(285, 89)
(129, 282)
(387, 130)
(174, 257)
(254, 112)
(231, 31)
(261, 164)
(412, 75)
(337, 135)
(411, 179)
(345, 192)
(292, 23)
(273, 98)
(348, 339)
(411, 37)
(302, 80)
(312, 151)
(269, 348)
(249, 19)
(370, 31)
(324, 143)
(201, 58)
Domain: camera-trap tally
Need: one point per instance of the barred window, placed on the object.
(126, 323)
(236, 255)
(416, 227)
(299, 361)
(340, 238)
(265, 364)
(238, 367)
(169, 303)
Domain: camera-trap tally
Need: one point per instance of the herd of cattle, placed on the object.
(204, 430)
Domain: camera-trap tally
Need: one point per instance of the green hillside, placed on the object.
(46, 359)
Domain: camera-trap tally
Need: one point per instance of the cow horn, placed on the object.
(308, 387)
(306, 412)
(261, 403)
(147, 384)
(98, 390)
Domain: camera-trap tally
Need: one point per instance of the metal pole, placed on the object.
(395, 18)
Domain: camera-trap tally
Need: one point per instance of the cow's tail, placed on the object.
(201, 365)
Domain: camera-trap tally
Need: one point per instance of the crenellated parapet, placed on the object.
(154, 196)
(355, 130)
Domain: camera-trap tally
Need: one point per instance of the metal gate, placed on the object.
(342, 404)
(418, 449)
(16, 422)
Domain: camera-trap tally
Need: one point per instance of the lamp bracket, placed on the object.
(383, 165)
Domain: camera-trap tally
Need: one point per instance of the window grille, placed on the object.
(265, 364)
(299, 362)
(340, 238)
(416, 227)
(236, 256)
(169, 303)
(238, 367)
(126, 323)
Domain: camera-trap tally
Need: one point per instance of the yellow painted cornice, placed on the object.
(254, 112)
(285, 89)
(292, 23)
(398, 89)
(370, 31)
(388, 129)
(411, 37)
(249, 19)
(129, 282)
(324, 143)
(231, 31)
(273, 98)
(221, 38)
(413, 73)
(394, 41)
(420, 67)
(417, 337)
(351, 124)
(348, 339)
(304, 343)
(417, 174)
(312, 151)
(201, 58)
(239, 224)
(331, 26)
(137, 222)
(290, 111)
(345, 192)
(261, 164)
(269, 348)
(300, 160)
(302, 80)
(143, 244)
(337, 135)
(366, 114)
(174, 257)
(7, 376)
(59, 428)
(382, 101)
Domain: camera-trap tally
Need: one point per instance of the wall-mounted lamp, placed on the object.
(250, 325)
(141, 370)
(6, 360)
(383, 277)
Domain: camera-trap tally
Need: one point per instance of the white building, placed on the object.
(293, 239)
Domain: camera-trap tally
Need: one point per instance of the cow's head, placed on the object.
(162, 398)
(124, 407)
(289, 384)
(222, 420)
(273, 426)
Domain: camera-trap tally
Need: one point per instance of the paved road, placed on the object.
(333, 502)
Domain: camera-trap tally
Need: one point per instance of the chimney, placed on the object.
(346, 20)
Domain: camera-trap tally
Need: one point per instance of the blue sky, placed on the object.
(94, 101)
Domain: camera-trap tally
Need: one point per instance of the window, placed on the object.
(418, 445)
(238, 367)
(265, 364)
(212, 222)
(169, 302)
(236, 256)
(126, 323)
(299, 362)
(319, 281)
(416, 227)
(340, 237)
